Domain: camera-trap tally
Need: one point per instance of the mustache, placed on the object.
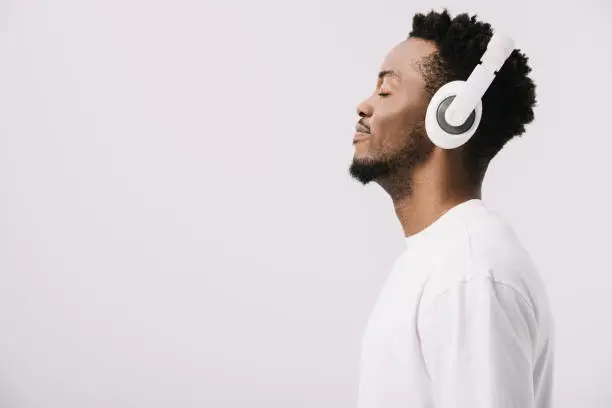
(361, 126)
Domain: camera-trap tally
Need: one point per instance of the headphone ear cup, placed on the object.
(438, 130)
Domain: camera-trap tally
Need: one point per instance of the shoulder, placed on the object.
(483, 254)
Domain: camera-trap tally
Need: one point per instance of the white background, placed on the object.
(177, 223)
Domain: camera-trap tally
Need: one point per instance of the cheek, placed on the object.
(394, 125)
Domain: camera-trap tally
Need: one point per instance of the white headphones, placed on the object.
(454, 112)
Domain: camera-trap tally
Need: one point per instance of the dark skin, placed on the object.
(423, 180)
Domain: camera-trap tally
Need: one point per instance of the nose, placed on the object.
(364, 109)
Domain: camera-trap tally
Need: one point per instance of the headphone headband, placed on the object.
(498, 50)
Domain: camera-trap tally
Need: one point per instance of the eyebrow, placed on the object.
(391, 73)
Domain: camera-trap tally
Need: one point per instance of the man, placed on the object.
(463, 320)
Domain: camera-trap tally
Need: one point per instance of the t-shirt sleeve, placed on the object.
(477, 343)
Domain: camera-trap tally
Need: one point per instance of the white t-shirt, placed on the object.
(462, 321)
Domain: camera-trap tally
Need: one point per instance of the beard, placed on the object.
(397, 166)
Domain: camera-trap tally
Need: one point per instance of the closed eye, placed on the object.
(383, 94)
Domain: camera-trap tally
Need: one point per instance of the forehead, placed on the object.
(404, 55)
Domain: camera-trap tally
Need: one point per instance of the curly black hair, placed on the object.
(507, 106)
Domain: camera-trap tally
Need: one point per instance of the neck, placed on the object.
(417, 212)
(429, 192)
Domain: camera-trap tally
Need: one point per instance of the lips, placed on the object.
(360, 136)
(359, 128)
(361, 132)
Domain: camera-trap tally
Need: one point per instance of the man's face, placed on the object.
(393, 117)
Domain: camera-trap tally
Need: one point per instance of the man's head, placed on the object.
(439, 49)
